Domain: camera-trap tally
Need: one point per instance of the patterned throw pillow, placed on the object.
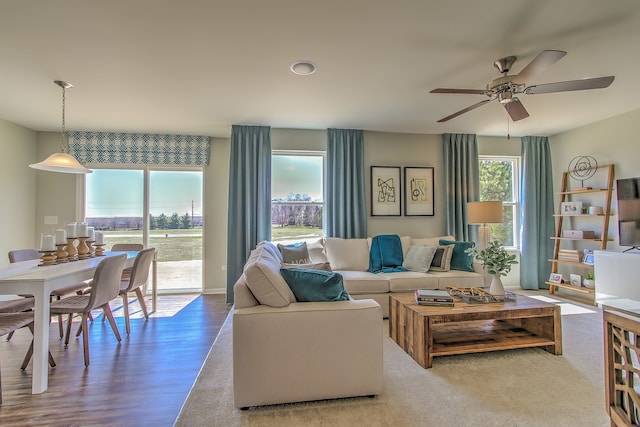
(460, 260)
(314, 266)
(442, 258)
(296, 253)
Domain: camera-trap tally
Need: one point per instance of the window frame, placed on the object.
(515, 192)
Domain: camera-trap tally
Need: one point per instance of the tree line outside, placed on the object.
(159, 222)
(496, 183)
(295, 215)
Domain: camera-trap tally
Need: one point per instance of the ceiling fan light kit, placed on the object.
(504, 88)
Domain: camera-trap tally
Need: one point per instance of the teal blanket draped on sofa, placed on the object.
(385, 255)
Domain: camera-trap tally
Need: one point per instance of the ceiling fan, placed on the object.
(506, 87)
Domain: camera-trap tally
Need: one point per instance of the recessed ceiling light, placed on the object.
(303, 68)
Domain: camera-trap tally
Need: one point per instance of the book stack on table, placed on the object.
(433, 297)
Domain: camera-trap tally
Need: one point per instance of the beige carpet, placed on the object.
(527, 387)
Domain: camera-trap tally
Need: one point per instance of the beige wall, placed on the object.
(612, 141)
(17, 187)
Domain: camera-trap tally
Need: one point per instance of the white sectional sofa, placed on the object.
(288, 351)
(350, 258)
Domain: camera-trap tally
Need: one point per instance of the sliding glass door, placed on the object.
(160, 208)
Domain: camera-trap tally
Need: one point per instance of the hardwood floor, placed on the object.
(142, 381)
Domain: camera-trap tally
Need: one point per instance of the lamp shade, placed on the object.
(60, 162)
(489, 212)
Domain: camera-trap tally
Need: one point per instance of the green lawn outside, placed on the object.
(184, 245)
(171, 245)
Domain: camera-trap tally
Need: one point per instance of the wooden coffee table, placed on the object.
(426, 331)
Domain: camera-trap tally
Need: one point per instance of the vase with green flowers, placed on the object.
(496, 261)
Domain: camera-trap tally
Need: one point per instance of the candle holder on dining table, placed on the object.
(92, 250)
(48, 257)
(83, 249)
(61, 254)
(72, 251)
(99, 249)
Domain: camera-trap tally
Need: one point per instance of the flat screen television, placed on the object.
(628, 194)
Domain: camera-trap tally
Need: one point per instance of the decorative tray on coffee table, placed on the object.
(479, 295)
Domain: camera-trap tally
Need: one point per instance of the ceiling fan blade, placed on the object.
(545, 59)
(464, 110)
(516, 110)
(465, 91)
(584, 84)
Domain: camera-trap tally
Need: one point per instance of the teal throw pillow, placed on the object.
(315, 285)
(460, 260)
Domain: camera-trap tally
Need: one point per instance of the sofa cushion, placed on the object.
(442, 258)
(459, 259)
(363, 282)
(409, 281)
(262, 272)
(347, 254)
(295, 253)
(419, 258)
(316, 250)
(312, 266)
(315, 285)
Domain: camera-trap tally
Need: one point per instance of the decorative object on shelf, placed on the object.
(575, 279)
(582, 168)
(418, 187)
(589, 280)
(63, 161)
(555, 278)
(595, 210)
(571, 208)
(497, 261)
(483, 213)
(385, 190)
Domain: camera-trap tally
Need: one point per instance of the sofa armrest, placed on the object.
(306, 351)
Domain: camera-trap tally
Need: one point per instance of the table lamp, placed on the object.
(483, 213)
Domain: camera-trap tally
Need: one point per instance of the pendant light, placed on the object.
(61, 162)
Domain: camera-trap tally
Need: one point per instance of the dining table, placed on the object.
(31, 278)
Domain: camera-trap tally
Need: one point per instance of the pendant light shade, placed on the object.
(61, 162)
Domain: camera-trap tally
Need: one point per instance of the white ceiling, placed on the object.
(197, 67)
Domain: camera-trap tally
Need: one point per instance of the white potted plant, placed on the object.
(589, 281)
(497, 262)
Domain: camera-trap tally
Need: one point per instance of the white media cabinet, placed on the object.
(617, 275)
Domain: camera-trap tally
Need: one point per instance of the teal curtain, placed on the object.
(346, 211)
(249, 214)
(462, 182)
(536, 213)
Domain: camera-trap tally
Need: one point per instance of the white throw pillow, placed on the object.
(419, 258)
(347, 254)
(264, 280)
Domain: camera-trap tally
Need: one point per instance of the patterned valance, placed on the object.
(94, 148)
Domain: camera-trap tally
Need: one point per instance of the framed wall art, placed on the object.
(418, 187)
(385, 190)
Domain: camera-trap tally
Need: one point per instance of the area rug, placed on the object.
(526, 387)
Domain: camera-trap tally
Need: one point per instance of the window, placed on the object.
(499, 180)
(168, 218)
(296, 195)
